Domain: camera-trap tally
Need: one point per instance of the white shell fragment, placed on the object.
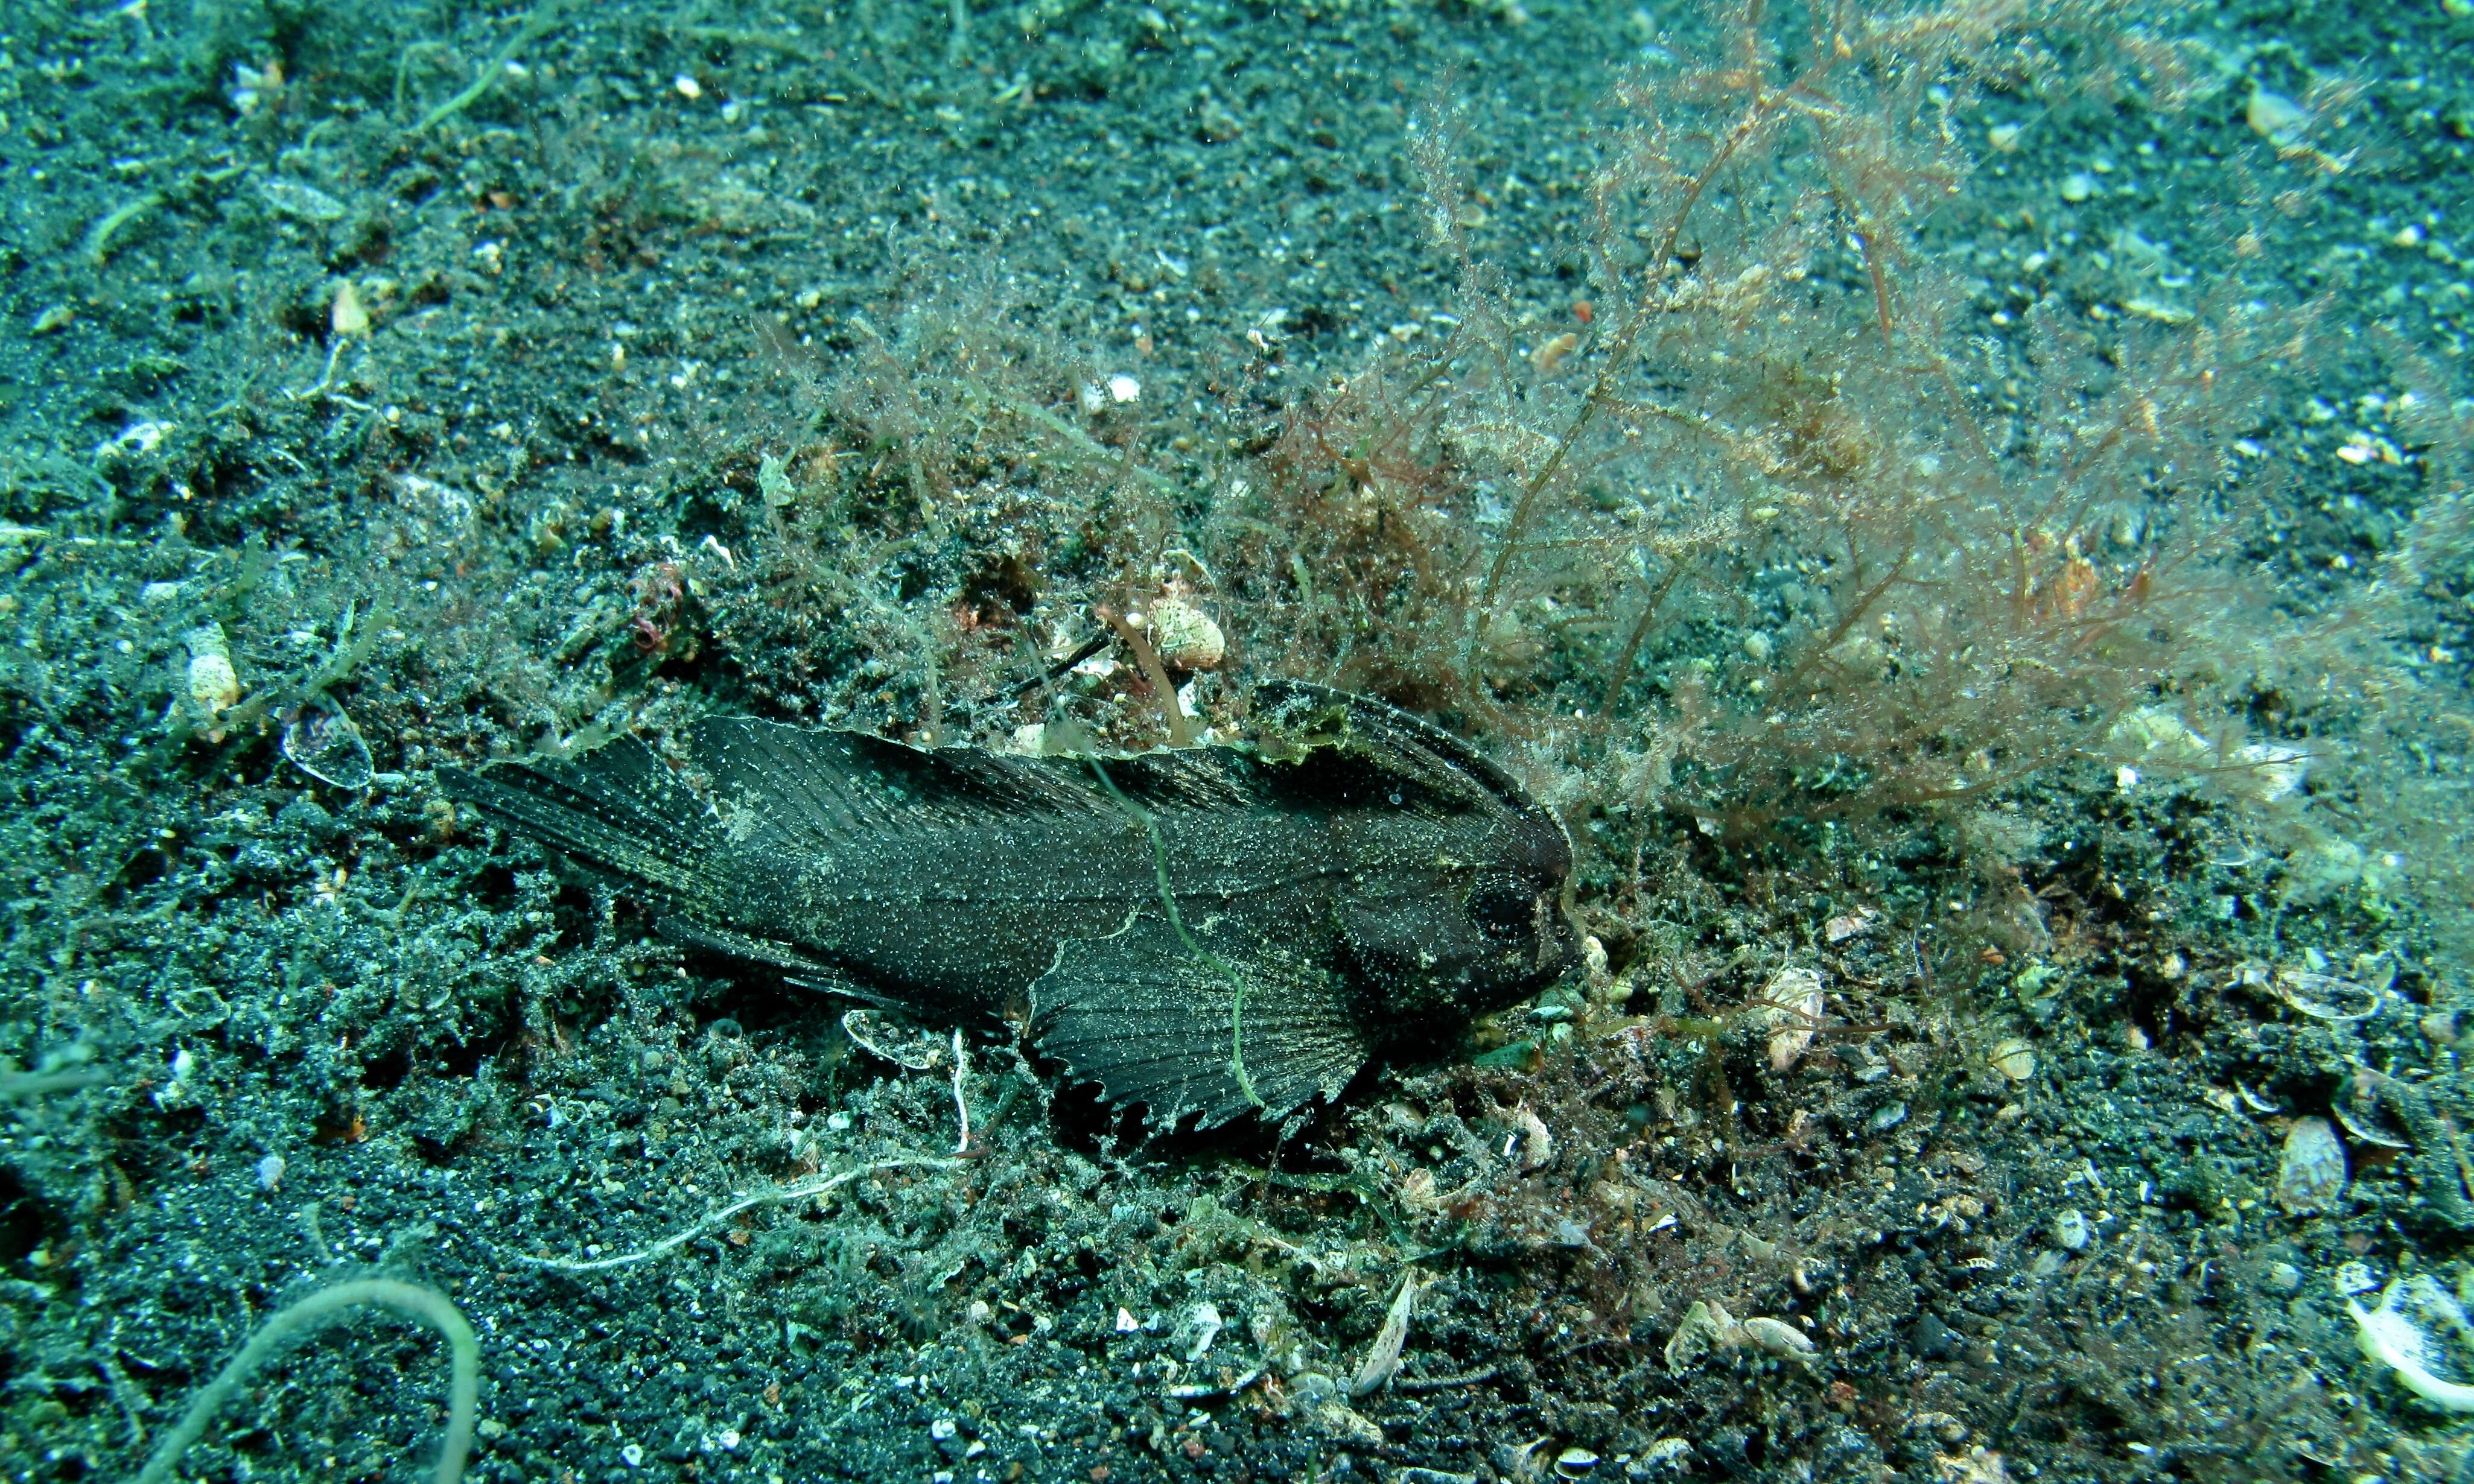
(2013, 1059)
(1779, 1337)
(325, 743)
(1534, 1144)
(2332, 998)
(2327, 997)
(346, 314)
(1789, 1008)
(2420, 1333)
(214, 685)
(1202, 1326)
(2360, 1111)
(1383, 1357)
(905, 1046)
(2312, 1175)
(1185, 636)
(1708, 1327)
(2275, 117)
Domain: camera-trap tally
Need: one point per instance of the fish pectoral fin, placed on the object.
(1240, 1024)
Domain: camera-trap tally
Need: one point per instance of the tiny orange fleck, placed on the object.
(1550, 355)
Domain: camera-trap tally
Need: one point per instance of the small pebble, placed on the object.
(2275, 116)
(2077, 186)
(2070, 1230)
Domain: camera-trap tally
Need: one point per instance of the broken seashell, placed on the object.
(1789, 1008)
(1383, 1357)
(1707, 1327)
(1530, 1141)
(1779, 1337)
(2362, 1110)
(902, 1046)
(2417, 1330)
(2013, 1059)
(2275, 117)
(325, 743)
(1186, 639)
(2327, 997)
(2310, 1177)
(1202, 1326)
(214, 685)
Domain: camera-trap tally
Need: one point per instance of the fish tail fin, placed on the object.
(617, 811)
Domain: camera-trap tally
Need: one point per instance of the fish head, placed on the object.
(1449, 933)
(1451, 903)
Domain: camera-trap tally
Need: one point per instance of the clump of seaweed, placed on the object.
(1774, 501)
(956, 519)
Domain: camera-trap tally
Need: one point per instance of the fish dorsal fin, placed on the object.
(617, 809)
(1434, 772)
(1202, 779)
(814, 789)
(1153, 1022)
(798, 789)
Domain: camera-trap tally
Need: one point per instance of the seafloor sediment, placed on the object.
(2019, 1036)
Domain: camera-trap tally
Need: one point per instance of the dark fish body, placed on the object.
(1364, 881)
